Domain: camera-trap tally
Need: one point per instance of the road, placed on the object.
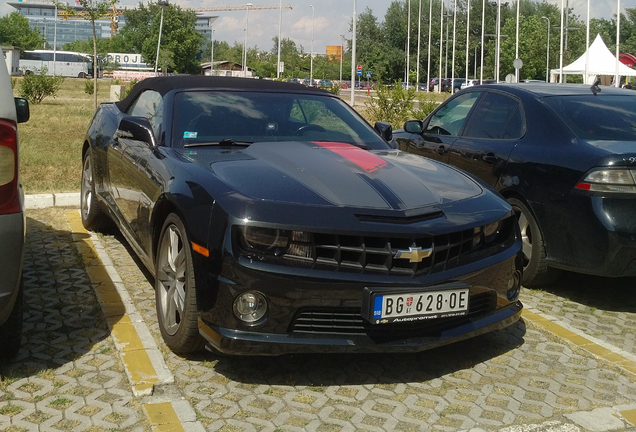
(93, 360)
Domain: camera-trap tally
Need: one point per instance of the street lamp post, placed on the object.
(162, 4)
(517, 43)
(280, 25)
(341, 55)
(212, 54)
(467, 37)
(430, 28)
(618, 40)
(441, 44)
(547, 55)
(483, 27)
(498, 40)
(311, 56)
(55, 39)
(247, 17)
(419, 37)
(408, 44)
(353, 55)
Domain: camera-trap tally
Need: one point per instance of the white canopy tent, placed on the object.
(602, 62)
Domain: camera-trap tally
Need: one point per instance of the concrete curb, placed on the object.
(40, 201)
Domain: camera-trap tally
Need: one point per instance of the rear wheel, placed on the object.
(11, 330)
(175, 291)
(81, 75)
(93, 218)
(535, 268)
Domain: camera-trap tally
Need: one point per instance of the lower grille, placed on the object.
(348, 321)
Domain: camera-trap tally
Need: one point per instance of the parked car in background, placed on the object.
(12, 219)
(472, 82)
(564, 158)
(457, 85)
(276, 220)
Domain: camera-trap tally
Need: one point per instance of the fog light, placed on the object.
(514, 286)
(250, 306)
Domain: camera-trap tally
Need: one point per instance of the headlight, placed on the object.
(491, 230)
(267, 240)
(609, 180)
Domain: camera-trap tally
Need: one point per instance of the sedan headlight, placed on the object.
(264, 240)
(609, 180)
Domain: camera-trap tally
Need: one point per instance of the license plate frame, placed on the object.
(375, 301)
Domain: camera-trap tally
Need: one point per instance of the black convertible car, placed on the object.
(276, 220)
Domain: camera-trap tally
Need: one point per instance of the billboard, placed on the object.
(334, 52)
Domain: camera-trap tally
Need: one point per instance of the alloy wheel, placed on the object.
(171, 274)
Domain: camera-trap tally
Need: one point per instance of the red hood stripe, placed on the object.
(362, 158)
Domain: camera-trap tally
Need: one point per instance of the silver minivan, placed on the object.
(12, 218)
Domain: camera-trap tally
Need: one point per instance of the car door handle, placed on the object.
(441, 150)
(489, 158)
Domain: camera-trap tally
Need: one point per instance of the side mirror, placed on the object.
(22, 109)
(385, 130)
(137, 129)
(414, 126)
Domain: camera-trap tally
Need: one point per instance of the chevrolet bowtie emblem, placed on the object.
(414, 254)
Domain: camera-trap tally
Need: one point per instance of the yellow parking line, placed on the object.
(163, 417)
(141, 372)
(629, 415)
(582, 342)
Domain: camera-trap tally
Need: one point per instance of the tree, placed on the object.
(178, 35)
(14, 30)
(92, 10)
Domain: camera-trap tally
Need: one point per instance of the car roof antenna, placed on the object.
(595, 87)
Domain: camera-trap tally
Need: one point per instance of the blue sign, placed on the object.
(359, 72)
(368, 74)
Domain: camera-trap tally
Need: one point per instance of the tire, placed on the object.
(93, 217)
(11, 330)
(535, 267)
(81, 75)
(175, 291)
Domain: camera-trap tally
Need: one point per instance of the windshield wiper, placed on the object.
(223, 143)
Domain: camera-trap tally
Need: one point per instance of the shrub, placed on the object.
(36, 87)
(335, 88)
(391, 104)
(129, 87)
(88, 86)
(426, 106)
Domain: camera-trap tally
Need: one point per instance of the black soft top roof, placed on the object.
(165, 84)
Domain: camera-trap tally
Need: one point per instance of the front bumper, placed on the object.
(290, 296)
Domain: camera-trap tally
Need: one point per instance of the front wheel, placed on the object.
(535, 267)
(175, 291)
(93, 218)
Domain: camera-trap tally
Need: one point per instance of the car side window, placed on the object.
(496, 117)
(149, 104)
(449, 119)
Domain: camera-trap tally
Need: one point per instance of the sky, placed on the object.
(331, 18)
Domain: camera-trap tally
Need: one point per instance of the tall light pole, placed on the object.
(430, 24)
(212, 53)
(408, 43)
(342, 38)
(419, 32)
(353, 55)
(618, 40)
(517, 43)
(280, 25)
(498, 40)
(247, 29)
(483, 27)
(55, 39)
(468, 38)
(311, 56)
(547, 53)
(587, 45)
(561, 46)
(441, 44)
(452, 86)
(162, 4)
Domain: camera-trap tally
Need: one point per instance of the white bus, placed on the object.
(67, 63)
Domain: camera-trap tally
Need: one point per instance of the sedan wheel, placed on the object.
(93, 218)
(175, 289)
(535, 268)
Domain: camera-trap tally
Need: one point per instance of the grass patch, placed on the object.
(51, 141)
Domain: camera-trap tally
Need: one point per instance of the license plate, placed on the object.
(418, 306)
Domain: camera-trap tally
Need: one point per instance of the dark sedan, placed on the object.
(564, 156)
(276, 220)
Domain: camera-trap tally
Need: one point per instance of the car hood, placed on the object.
(334, 174)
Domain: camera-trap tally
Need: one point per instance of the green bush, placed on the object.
(88, 86)
(335, 88)
(391, 104)
(36, 87)
(129, 87)
(426, 106)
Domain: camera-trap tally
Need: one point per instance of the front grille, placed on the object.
(348, 321)
(375, 255)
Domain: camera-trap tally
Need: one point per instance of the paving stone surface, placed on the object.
(68, 375)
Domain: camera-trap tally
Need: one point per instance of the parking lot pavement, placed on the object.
(70, 374)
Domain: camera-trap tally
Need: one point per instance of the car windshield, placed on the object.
(592, 117)
(241, 117)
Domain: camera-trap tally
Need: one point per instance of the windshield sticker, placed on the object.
(187, 134)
